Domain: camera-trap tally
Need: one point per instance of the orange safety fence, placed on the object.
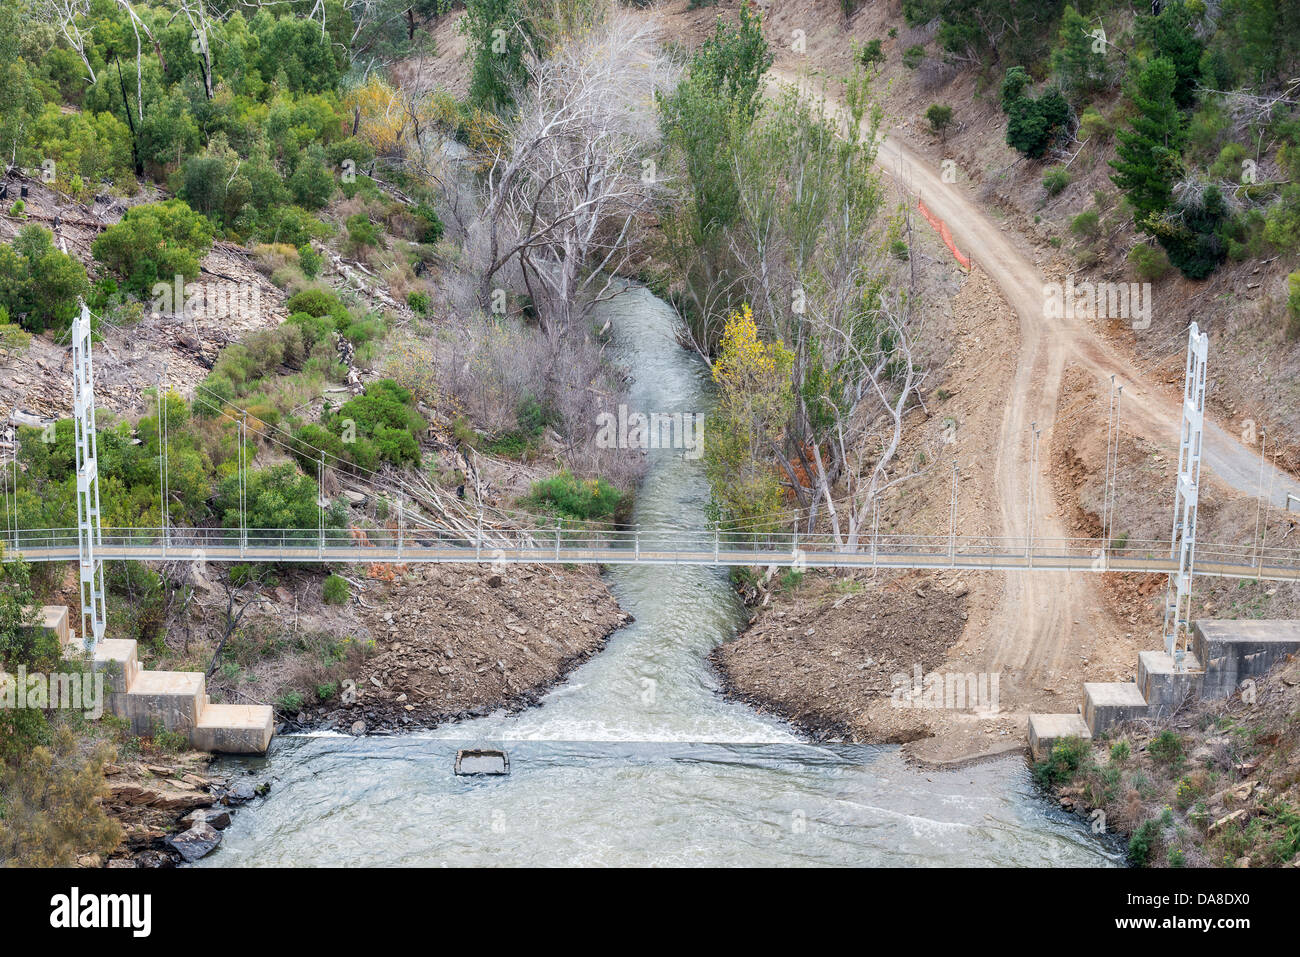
(944, 234)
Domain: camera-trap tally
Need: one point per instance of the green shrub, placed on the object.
(155, 242)
(913, 56)
(871, 54)
(419, 301)
(1166, 747)
(309, 260)
(1120, 751)
(1094, 126)
(39, 285)
(566, 494)
(290, 701)
(1293, 305)
(430, 227)
(1087, 225)
(940, 117)
(1148, 262)
(361, 231)
(335, 590)
(1056, 179)
(1142, 841)
(1065, 759)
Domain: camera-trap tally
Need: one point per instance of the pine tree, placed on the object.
(1077, 62)
(1148, 155)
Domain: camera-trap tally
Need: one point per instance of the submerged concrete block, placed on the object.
(1163, 686)
(1232, 650)
(1108, 703)
(234, 728)
(1046, 729)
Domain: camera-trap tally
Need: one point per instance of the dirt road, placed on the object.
(1037, 629)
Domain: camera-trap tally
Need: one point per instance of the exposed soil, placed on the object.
(417, 646)
(826, 657)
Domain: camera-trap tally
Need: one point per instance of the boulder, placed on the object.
(199, 841)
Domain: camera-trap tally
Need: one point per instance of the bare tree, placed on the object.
(66, 17)
(564, 194)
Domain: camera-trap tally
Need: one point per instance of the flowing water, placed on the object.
(637, 759)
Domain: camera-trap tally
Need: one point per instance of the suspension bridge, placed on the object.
(416, 539)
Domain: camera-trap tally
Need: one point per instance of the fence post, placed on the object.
(557, 538)
(715, 543)
(636, 554)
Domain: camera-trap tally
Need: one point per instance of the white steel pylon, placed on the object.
(89, 530)
(1178, 595)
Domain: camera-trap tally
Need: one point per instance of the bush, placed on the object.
(362, 232)
(1092, 125)
(39, 285)
(913, 56)
(1032, 124)
(430, 227)
(1087, 225)
(155, 242)
(872, 54)
(567, 495)
(1166, 747)
(1293, 305)
(309, 260)
(1148, 262)
(1067, 756)
(940, 117)
(335, 590)
(1142, 842)
(1056, 179)
(419, 301)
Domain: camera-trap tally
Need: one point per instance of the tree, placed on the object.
(500, 39)
(1148, 156)
(566, 192)
(19, 100)
(1077, 61)
(704, 120)
(1032, 124)
(940, 118)
(278, 497)
(39, 285)
(754, 402)
(1172, 36)
(155, 242)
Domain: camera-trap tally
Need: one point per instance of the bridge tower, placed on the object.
(89, 529)
(1178, 594)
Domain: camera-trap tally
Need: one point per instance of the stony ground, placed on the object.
(452, 643)
(826, 653)
(1217, 785)
(170, 808)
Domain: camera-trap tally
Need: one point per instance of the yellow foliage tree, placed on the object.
(754, 402)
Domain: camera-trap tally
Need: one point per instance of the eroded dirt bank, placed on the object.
(461, 642)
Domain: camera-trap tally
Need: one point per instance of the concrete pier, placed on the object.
(176, 701)
(1232, 651)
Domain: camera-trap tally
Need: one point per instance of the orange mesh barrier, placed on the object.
(944, 234)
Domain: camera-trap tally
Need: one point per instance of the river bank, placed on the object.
(461, 642)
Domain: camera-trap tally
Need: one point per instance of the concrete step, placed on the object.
(172, 698)
(234, 728)
(1108, 703)
(1046, 729)
(116, 658)
(1232, 651)
(1164, 687)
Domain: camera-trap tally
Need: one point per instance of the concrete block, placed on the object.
(116, 658)
(1163, 686)
(51, 618)
(234, 728)
(171, 698)
(1108, 703)
(1046, 729)
(1231, 650)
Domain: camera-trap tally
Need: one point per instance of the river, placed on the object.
(636, 759)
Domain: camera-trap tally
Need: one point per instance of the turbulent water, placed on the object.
(637, 759)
